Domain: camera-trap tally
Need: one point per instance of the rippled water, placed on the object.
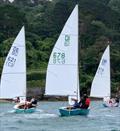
(47, 118)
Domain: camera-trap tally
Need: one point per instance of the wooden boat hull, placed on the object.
(72, 112)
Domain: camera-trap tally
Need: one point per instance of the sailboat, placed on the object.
(13, 78)
(62, 77)
(101, 86)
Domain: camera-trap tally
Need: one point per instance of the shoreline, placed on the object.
(47, 99)
(39, 94)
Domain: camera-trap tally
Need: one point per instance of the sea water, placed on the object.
(47, 118)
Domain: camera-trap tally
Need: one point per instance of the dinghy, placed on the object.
(101, 87)
(13, 78)
(72, 112)
(62, 77)
(30, 110)
(20, 108)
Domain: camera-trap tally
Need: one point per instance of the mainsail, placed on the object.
(101, 83)
(62, 72)
(13, 78)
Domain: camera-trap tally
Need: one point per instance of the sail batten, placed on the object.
(13, 78)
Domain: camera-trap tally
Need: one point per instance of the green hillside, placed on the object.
(99, 24)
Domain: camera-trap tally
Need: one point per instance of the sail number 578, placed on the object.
(58, 58)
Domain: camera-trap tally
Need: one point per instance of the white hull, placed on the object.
(107, 104)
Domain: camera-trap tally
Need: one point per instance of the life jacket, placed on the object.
(87, 102)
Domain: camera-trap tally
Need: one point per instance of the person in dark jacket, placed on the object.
(85, 102)
(17, 100)
(33, 102)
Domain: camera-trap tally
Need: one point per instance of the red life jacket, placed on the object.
(87, 102)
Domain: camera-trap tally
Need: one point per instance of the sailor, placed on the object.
(33, 102)
(76, 103)
(17, 100)
(85, 102)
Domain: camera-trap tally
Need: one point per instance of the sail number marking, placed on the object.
(101, 69)
(11, 59)
(58, 58)
(67, 40)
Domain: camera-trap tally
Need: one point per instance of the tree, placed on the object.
(11, 20)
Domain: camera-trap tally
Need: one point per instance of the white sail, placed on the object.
(13, 78)
(62, 71)
(71, 98)
(101, 83)
(78, 90)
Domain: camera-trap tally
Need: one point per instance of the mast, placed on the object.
(25, 91)
(78, 86)
(109, 42)
(110, 71)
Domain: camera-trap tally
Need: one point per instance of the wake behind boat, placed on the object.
(63, 70)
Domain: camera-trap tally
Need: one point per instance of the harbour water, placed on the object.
(47, 118)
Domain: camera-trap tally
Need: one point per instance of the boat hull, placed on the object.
(110, 105)
(19, 108)
(72, 112)
(30, 110)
